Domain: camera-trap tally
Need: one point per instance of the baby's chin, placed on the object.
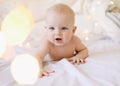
(60, 44)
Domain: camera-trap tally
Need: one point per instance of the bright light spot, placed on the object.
(93, 10)
(96, 24)
(25, 69)
(16, 25)
(3, 44)
(27, 45)
(89, 17)
(111, 2)
(98, 2)
(86, 38)
(85, 31)
(85, 34)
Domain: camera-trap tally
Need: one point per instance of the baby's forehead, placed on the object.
(61, 9)
(59, 15)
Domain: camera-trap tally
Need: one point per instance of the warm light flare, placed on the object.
(111, 2)
(25, 69)
(99, 2)
(85, 34)
(16, 25)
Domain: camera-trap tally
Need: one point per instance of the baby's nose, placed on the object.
(57, 32)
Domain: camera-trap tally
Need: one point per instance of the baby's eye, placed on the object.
(64, 28)
(51, 28)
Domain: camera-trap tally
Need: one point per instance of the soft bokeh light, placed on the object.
(99, 2)
(86, 31)
(16, 25)
(86, 38)
(96, 24)
(89, 17)
(3, 45)
(111, 2)
(85, 34)
(27, 45)
(25, 69)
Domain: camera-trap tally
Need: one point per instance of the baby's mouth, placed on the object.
(58, 39)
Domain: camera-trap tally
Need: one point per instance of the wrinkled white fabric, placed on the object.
(99, 70)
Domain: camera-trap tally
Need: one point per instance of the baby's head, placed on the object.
(60, 24)
(61, 10)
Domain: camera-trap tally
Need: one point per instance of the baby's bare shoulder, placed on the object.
(76, 39)
(44, 43)
(78, 44)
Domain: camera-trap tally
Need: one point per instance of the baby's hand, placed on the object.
(76, 60)
(46, 73)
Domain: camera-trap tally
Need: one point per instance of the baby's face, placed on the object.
(59, 29)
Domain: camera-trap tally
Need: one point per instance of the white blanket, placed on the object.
(99, 70)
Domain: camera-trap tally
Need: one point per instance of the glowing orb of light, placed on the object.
(3, 44)
(85, 34)
(16, 25)
(25, 69)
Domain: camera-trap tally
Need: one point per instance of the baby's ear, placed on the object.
(74, 29)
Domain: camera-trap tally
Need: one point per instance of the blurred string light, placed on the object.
(111, 2)
(85, 34)
(28, 45)
(96, 24)
(25, 69)
(99, 2)
(91, 16)
(16, 25)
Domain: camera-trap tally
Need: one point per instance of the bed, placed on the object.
(99, 31)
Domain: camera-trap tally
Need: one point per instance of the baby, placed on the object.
(60, 41)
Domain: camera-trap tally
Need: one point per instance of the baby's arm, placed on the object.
(43, 50)
(81, 52)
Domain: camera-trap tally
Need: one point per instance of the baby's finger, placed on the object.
(41, 75)
(51, 71)
(82, 61)
(73, 61)
(47, 73)
(78, 61)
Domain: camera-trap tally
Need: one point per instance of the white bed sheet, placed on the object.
(101, 69)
